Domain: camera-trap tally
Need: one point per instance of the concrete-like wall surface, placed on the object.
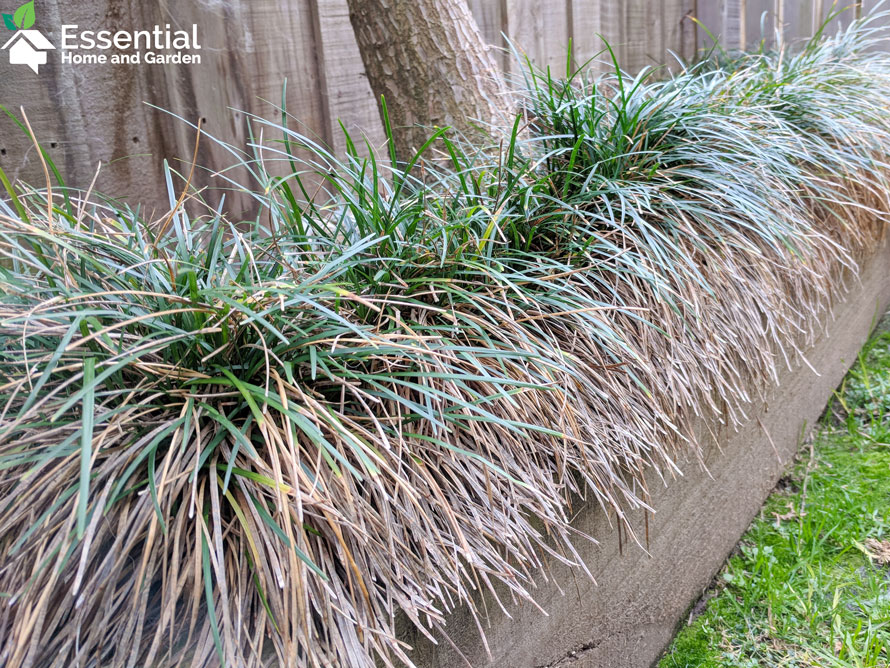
(627, 619)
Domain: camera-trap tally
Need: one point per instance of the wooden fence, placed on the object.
(90, 114)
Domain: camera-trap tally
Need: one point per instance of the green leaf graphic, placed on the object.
(24, 16)
(7, 20)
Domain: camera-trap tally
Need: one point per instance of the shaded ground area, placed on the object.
(809, 584)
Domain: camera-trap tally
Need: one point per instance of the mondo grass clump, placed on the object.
(269, 441)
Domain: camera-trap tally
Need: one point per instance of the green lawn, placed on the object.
(809, 584)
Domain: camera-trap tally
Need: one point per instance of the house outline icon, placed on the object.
(28, 47)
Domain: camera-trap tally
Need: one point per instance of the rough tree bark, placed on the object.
(429, 61)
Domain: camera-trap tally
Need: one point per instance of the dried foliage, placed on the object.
(259, 444)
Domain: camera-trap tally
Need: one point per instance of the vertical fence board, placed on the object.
(541, 30)
(279, 40)
(710, 15)
(639, 21)
(348, 94)
(675, 17)
(734, 26)
(555, 36)
(688, 29)
(592, 22)
(586, 23)
(779, 19)
(867, 7)
(524, 29)
(761, 25)
(491, 18)
(798, 22)
(656, 52)
(85, 118)
(611, 13)
(817, 10)
(841, 19)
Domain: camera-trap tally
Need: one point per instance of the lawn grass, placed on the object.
(808, 584)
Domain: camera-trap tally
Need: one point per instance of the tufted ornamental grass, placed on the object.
(263, 442)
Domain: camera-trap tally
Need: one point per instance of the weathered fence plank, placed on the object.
(491, 15)
(760, 20)
(589, 22)
(734, 26)
(710, 17)
(797, 22)
(641, 30)
(347, 93)
(525, 29)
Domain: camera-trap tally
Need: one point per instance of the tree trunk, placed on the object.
(428, 60)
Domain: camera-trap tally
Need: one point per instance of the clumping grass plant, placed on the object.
(262, 442)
